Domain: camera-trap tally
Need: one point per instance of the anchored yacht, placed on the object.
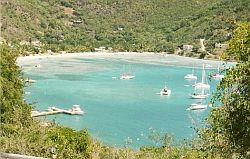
(202, 84)
(165, 91)
(197, 106)
(191, 76)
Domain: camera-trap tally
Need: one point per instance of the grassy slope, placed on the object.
(150, 25)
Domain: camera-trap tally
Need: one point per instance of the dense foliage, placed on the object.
(229, 125)
(138, 25)
(13, 109)
(225, 137)
(19, 132)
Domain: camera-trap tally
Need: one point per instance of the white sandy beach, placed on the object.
(135, 57)
(81, 54)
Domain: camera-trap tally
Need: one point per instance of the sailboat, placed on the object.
(197, 106)
(126, 75)
(202, 84)
(200, 95)
(165, 91)
(191, 76)
(217, 75)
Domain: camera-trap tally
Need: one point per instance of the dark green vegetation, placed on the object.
(226, 135)
(138, 25)
(19, 132)
(229, 125)
(132, 25)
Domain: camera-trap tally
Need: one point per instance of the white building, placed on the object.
(100, 49)
(188, 48)
(222, 46)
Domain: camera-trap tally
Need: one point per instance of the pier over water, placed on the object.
(75, 110)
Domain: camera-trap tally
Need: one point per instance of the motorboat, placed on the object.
(76, 110)
(53, 108)
(202, 84)
(197, 106)
(50, 109)
(165, 91)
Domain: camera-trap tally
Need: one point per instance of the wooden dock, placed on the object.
(54, 110)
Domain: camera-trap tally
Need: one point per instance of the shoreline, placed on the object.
(82, 54)
(155, 58)
(104, 54)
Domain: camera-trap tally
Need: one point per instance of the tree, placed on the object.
(13, 109)
(229, 125)
(22, 134)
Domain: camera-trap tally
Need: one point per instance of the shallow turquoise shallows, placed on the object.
(120, 112)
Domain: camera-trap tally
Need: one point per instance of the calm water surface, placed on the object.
(120, 109)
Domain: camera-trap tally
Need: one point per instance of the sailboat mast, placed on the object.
(203, 74)
(130, 70)
(193, 70)
(203, 91)
(123, 70)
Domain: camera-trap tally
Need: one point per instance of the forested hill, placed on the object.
(128, 25)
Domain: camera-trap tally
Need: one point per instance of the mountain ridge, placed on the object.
(122, 25)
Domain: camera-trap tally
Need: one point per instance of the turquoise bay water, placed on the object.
(117, 109)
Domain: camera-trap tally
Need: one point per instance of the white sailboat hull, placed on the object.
(126, 77)
(197, 106)
(190, 77)
(202, 84)
(218, 76)
(199, 96)
(165, 92)
(30, 81)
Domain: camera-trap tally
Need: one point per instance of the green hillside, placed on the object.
(225, 134)
(138, 25)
